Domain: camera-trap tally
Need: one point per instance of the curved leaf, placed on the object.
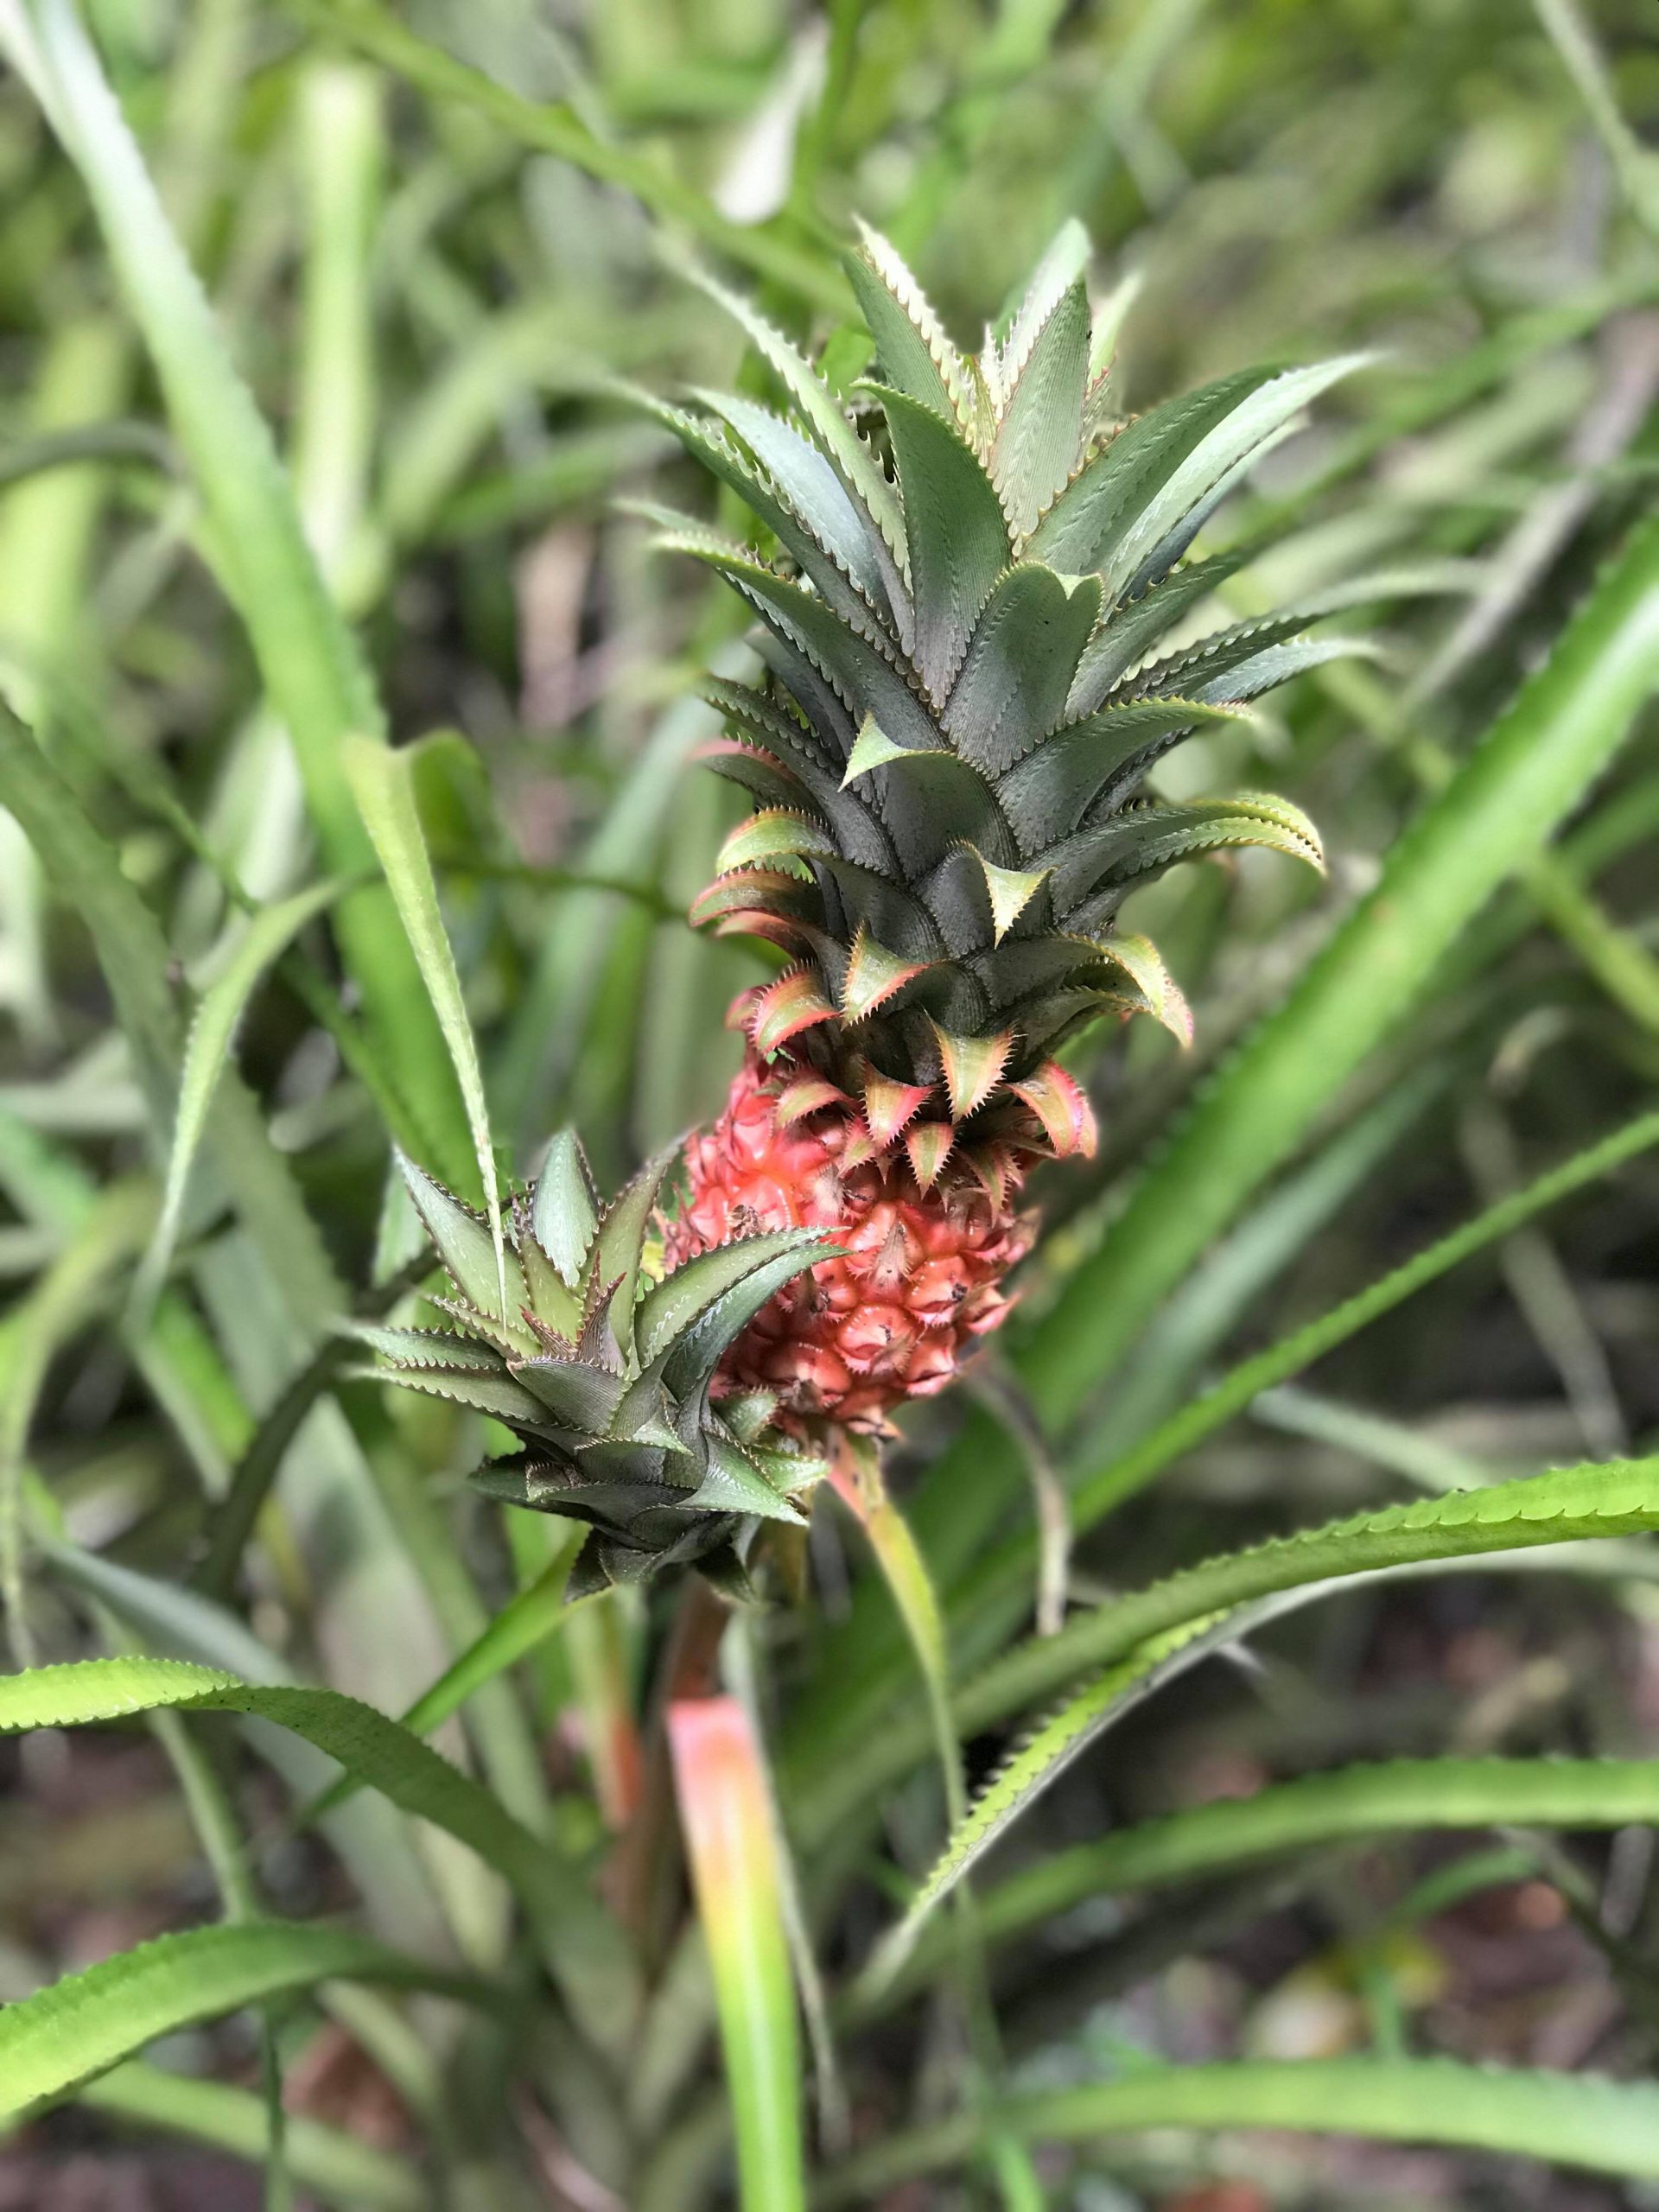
(1393, 1797)
(1564, 1506)
(1574, 2120)
(267, 936)
(382, 782)
(92, 2020)
(377, 1751)
(336, 2168)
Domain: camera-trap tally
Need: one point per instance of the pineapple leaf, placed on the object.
(872, 748)
(1109, 318)
(1010, 891)
(1230, 446)
(861, 668)
(1246, 659)
(579, 1397)
(958, 534)
(821, 411)
(930, 801)
(761, 768)
(734, 1483)
(497, 1395)
(818, 536)
(747, 890)
(771, 725)
(1276, 663)
(828, 531)
(888, 1105)
(551, 1298)
(773, 834)
(972, 1067)
(1019, 665)
(670, 1308)
(1064, 262)
(564, 1208)
(1141, 960)
(928, 1145)
(463, 1240)
(1041, 425)
(622, 1227)
(914, 353)
(1126, 637)
(1095, 760)
(1152, 838)
(794, 1002)
(874, 977)
(695, 1353)
(424, 1347)
(1083, 524)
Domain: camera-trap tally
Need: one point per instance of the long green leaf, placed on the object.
(1394, 1798)
(72, 1290)
(383, 784)
(732, 1848)
(85, 871)
(316, 678)
(1573, 2119)
(554, 127)
(1098, 1484)
(522, 1626)
(1566, 1505)
(337, 2168)
(272, 929)
(858, 1484)
(91, 2021)
(380, 1752)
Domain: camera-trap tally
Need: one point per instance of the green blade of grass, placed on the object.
(208, 1048)
(84, 870)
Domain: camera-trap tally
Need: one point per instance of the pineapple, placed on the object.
(963, 695)
(601, 1368)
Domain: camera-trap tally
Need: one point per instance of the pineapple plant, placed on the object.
(964, 607)
(600, 1362)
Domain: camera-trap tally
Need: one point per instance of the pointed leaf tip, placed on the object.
(888, 1106)
(564, 1209)
(928, 1145)
(783, 1009)
(1061, 1105)
(1009, 890)
(873, 975)
(872, 748)
(972, 1066)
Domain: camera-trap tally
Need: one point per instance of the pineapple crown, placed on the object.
(963, 695)
(601, 1366)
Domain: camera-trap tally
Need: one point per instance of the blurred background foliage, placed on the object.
(435, 239)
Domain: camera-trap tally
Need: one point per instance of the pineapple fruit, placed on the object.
(960, 621)
(602, 1365)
